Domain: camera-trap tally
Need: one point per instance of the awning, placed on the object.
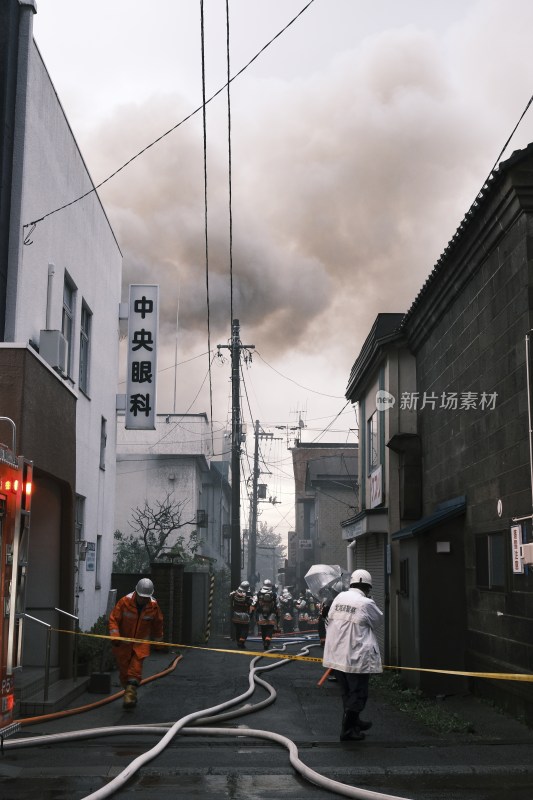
(443, 512)
(371, 520)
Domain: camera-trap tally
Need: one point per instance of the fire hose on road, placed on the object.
(204, 719)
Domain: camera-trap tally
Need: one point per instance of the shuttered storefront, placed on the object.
(370, 555)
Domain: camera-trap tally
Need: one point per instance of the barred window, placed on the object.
(85, 340)
(372, 442)
(490, 561)
(67, 322)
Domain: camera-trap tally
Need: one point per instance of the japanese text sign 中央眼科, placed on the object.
(143, 326)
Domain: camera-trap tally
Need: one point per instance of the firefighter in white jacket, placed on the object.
(352, 651)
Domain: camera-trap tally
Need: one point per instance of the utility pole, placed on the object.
(252, 540)
(236, 435)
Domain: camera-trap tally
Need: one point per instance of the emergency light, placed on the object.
(8, 703)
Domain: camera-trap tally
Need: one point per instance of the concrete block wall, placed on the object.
(475, 342)
(479, 347)
(333, 508)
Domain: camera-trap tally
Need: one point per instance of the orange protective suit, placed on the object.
(128, 620)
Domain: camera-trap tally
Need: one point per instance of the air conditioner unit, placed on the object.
(527, 553)
(53, 348)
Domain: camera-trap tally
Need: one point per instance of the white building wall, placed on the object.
(171, 459)
(79, 242)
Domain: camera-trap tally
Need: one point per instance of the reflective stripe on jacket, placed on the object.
(351, 644)
(126, 620)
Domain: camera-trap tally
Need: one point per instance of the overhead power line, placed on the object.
(31, 225)
(332, 421)
(314, 391)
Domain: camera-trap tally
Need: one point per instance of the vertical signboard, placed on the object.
(516, 541)
(143, 326)
(291, 548)
(376, 488)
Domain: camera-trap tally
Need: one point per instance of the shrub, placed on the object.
(96, 653)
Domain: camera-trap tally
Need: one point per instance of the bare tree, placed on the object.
(153, 526)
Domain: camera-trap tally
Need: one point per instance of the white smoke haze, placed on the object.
(346, 187)
(349, 177)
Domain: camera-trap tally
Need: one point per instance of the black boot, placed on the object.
(363, 724)
(350, 731)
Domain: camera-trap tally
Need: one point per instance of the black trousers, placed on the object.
(354, 689)
(241, 632)
(267, 632)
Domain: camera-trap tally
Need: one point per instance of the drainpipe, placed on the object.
(51, 273)
(350, 550)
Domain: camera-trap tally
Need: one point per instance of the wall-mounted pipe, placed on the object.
(51, 273)
(350, 551)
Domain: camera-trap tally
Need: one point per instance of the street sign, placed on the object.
(376, 488)
(143, 326)
(305, 544)
(516, 542)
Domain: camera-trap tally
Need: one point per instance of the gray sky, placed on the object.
(359, 140)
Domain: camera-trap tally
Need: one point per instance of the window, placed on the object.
(404, 577)
(80, 514)
(85, 338)
(103, 442)
(372, 442)
(67, 323)
(490, 561)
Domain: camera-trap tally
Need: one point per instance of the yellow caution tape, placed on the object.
(501, 676)
(253, 653)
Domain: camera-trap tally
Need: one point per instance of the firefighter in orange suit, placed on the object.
(136, 616)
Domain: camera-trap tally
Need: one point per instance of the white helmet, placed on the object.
(360, 576)
(145, 588)
(245, 585)
(267, 582)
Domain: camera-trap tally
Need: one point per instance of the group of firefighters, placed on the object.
(271, 612)
(346, 610)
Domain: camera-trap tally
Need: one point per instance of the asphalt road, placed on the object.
(399, 757)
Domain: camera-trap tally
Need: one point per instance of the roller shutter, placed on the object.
(370, 555)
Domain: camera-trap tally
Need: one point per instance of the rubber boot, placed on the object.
(130, 696)
(362, 724)
(266, 643)
(349, 731)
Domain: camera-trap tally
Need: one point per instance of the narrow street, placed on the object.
(400, 756)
